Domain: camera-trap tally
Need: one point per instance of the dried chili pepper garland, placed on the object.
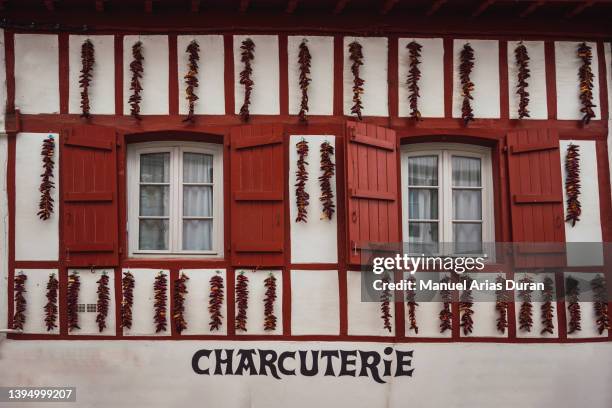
(501, 305)
(46, 204)
(301, 176)
(19, 318)
(446, 314)
(87, 63)
(51, 305)
(356, 57)
(412, 305)
(466, 302)
(467, 86)
(269, 299)
(178, 315)
(304, 62)
(191, 78)
(600, 299)
(127, 302)
(526, 309)
(414, 76)
(385, 304)
(160, 285)
(215, 301)
(547, 309)
(242, 301)
(586, 76)
(328, 169)
(103, 299)
(72, 300)
(521, 56)
(572, 293)
(137, 68)
(247, 55)
(572, 184)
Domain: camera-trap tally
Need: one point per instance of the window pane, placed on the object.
(153, 235)
(423, 171)
(423, 237)
(423, 204)
(155, 168)
(197, 235)
(467, 238)
(154, 201)
(467, 204)
(466, 171)
(197, 201)
(197, 168)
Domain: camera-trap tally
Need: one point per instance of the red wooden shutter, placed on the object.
(371, 180)
(89, 198)
(257, 209)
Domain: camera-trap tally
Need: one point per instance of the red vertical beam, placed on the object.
(173, 82)
(286, 273)
(10, 191)
(551, 79)
(63, 72)
(9, 50)
(338, 75)
(283, 66)
(393, 77)
(561, 313)
(119, 74)
(230, 284)
(118, 301)
(343, 300)
(603, 173)
(504, 97)
(228, 46)
(172, 278)
(448, 77)
(603, 80)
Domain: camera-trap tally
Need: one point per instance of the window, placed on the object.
(175, 203)
(447, 196)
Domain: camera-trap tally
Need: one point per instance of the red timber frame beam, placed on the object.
(244, 6)
(100, 6)
(291, 6)
(49, 5)
(340, 6)
(580, 8)
(387, 6)
(483, 7)
(195, 6)
(435, 7)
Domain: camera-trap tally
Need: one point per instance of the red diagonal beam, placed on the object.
(482, 8)
(579, 9)
(532, 7)
(244, 6)
(291, 6)
(340, 5)
(435, 7)
(387, 6)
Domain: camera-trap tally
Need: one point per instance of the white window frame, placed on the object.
(444, 152)
(175, 233)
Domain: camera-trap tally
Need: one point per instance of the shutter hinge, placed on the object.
(506, 149)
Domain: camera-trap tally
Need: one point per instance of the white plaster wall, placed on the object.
(485, 77)
(537, 308)
(102, 86)
(211, 88)
(265, 95)
(88, 294)
(375, 97)
(155, 73)
(3, 230)
(321, 89)
(2, 82)
(37, 73)
(255, 311)
(431, 100)
(567, 65)
(427, 313)
(587, 309)
(364, 318)
(485, 315)
(196, 301)
(538, 108)
(321, 235)
(36, 299)
(315, 302)
(35, 239)
(143, 310)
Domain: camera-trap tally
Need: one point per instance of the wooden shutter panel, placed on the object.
(257, 203)
(89, 196)
(371, 180)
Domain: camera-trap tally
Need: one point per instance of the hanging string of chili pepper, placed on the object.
(467, 86)
(385, 303)
(19, 289)
(526, 309)
(160, 286)
(412, 305)
(215, 301)
(51, 305)
(301, 176)
(572, 293)
(414, 76)
(72, 300)
(127, 302)
(178, 315)
(103, 300)
(600, 299)
(87, 63)
(572, 184)
(242, 301)
(269, 299)
(501, 305)
(522, 62)
(547, 309)
(466, 302)
(46, 203)
(191, 78)
(586, 76)
(247, 55)
(328, 169)
(136, 68)
(356, 57)
(446, 314)
(304, 62)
